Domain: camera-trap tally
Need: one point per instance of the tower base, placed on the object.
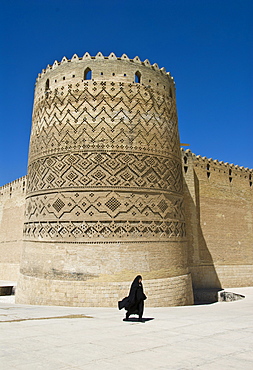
(173, 291)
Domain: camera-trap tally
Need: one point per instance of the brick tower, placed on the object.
(104, 189)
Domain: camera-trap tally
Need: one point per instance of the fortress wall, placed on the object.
(220, 222)
(12, 203)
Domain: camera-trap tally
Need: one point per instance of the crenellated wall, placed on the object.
(219, 209)
(12, 207)
(103, 68)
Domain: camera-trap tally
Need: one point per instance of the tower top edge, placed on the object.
(111, 57)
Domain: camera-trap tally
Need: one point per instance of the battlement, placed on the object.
(16, 186)
(99, 56)
(204, 160)
(100, 69)
(213, 166)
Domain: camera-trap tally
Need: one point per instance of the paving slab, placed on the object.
(214, 336)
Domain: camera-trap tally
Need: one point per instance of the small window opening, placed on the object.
(250, 177)
(87, 74)
(124, 74)
(208, 174)
(63, 78)
(208, 167)
(47, 85)
(157, 84)
(137, 77)
(73, 76)
(101, 73)
(230, 179)
(55, 80)
(113, 74)
(171, 96)
(185, 159)
(185, 169)
(149, 80)
(230, 172)
(250, 183)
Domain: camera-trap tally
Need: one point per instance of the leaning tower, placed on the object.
(104, 195)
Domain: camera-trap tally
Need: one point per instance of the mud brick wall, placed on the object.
(12, 208)
(219, 209)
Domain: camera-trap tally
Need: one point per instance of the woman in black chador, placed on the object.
(134, 303)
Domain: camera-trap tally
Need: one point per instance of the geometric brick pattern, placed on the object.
(109, 169)
(105, 230)
(104, 116)
(100, 152)
(92, 206)
(110, 205)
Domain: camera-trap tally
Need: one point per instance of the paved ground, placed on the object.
(209, 337)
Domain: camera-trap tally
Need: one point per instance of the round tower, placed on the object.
(105, 190)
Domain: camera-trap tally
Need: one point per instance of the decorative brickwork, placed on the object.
(104, 171)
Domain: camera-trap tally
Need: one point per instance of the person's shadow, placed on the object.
(136, 319)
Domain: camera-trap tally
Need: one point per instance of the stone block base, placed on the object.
(173, 291)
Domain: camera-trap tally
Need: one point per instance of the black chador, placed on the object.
(134, 303)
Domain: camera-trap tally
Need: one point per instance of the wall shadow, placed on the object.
(205, 281)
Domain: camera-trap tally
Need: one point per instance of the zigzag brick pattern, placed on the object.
(123, 135)
(104, 187)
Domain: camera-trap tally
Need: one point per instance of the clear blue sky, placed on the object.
(207, 45)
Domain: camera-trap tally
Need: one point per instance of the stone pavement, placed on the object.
(208, 337)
